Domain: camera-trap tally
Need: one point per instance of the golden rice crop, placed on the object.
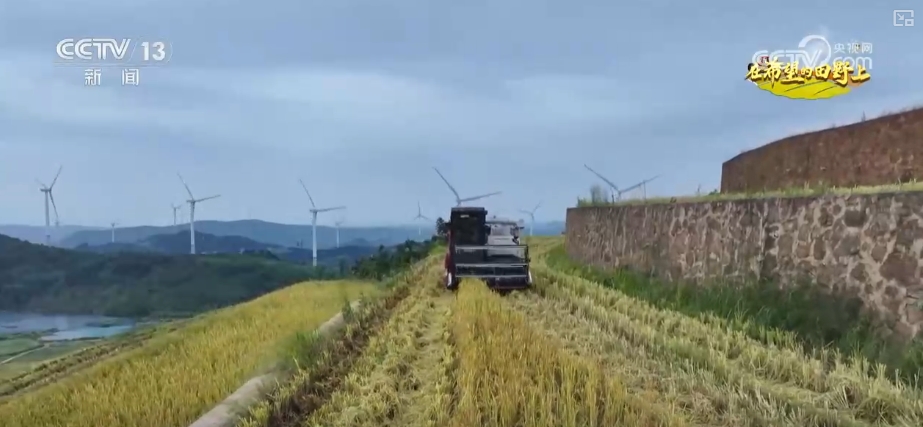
(176, 377)
(747, 379)
(404, 376)
(509, 374)
(472, 360)
(329, 360)
(55, 369)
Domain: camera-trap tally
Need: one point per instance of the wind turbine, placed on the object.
(314, 211)
(458, 199)
(113, 224)
(420, 216)
(49, 196)
(532, 216)
(192, 201)
(175, 208)
(337, 224)
(642, 184)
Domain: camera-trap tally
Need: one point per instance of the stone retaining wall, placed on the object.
(865, 245)
(881, 151)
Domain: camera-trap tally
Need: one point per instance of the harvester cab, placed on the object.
(486, 249)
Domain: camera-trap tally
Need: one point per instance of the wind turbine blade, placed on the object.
(631, 188)
(330, 209)
(308, 193)
(536, 207)
(208, 198)
(457, 197)
(51, 196)
(638, 184)
(525, 211)
(419, 211)
(184, 185)
(40, 183)
(426, 218)
(56, 176)
(469, 199)
(614, 187)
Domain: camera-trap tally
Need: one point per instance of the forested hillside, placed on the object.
(177, 243)
(42, 279)
(38, 278)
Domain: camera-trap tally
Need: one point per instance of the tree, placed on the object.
(442, 229)
(386, 262)
(343, 266)
(598, 195)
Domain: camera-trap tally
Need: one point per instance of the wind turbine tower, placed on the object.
(458, 199)
(531, 216)
(113, 224)
(337, 225)
(49, 197)
(314, 211)
(192, 202)
(175, 208)
(420, 216)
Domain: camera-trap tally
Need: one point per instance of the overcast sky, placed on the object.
(361, 98)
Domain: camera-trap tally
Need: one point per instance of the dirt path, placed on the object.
(3, 362)
(226, 413)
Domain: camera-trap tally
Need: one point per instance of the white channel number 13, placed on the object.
(154, 51)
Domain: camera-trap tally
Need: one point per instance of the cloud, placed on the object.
(361, 98)
(287, 106)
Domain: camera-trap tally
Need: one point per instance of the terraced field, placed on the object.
(58, 368)
(173, 377)
(572, 353)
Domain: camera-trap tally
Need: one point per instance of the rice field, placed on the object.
(75, 356)
(570, 352)
(174, 377)
(573, 353)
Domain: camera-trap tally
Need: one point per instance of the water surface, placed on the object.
(64, 326)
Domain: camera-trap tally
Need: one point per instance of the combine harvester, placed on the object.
(486, 249)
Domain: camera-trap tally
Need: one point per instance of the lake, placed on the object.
(65, 327)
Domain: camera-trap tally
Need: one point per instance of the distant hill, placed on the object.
(285, 235)
(112, 248)
(44, 279)
(36, 234)
(177, 243)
